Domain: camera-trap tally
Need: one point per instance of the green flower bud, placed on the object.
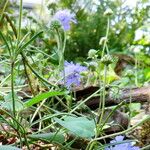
(55, 24)
(108, 12)
(92, 53)
(92, 65)
(107, 59)
(102, 40)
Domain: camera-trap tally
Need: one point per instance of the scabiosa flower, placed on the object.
(72, 74)
(65, 17)
(123, 146)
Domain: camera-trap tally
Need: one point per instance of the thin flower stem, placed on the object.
(102, 97)
(86, 100)
(12, 88)
(136, 72)
(37, 110)
(104, 94)
(102, 103)
(61, 44)
(29, 80)
(63, 53)
(64, 43)
(20, 19)
(130, 98)
(13, 61)
(111, 113)
(107, 32)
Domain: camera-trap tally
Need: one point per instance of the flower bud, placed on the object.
(55, 24)
(108, 12)
(92, 53)
(102, 40)
(92, 65)
(107, 59)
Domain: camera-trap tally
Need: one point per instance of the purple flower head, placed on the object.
(65, 17)
(72, 74)
(123, 146)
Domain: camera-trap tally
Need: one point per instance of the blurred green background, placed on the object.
(129, 26)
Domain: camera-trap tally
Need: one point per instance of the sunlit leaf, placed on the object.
(41, 97)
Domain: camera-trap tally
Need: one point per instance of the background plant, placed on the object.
(34, 104)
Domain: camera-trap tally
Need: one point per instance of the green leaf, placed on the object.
(41, 97)
(7, 104)
(80, 126)
(5, 41)
(134, 108)
(49, 137)
(8, 147)
(29, 42)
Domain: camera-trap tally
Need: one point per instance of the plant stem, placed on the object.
(107, 32)
(12, 88)
(19, 132)
(63, 53)
(146, 147)
(136, 73)
(26, 72)
(35, 73)
(61, 50)
(102, 97)
(20, 19)
(111, 113)
(4, 8)
(104, 94)
(85, 100)
(100, 111)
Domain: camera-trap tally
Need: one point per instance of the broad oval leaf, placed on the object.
(80, 126)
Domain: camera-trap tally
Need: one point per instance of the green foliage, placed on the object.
(80, 126)
(91, 26)
(29, 58)
(7, 104)
(42, 97)
(50, 137)
(134, 108)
